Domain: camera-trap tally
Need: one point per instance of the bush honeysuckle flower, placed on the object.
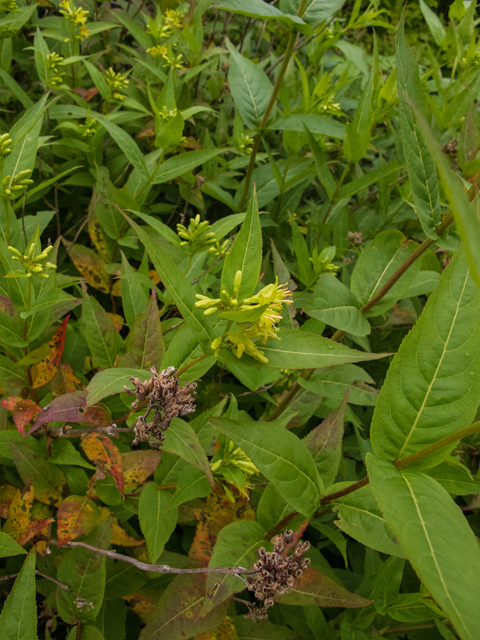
(33, 265)
(197, 236)
(225, 464)
(268, 301)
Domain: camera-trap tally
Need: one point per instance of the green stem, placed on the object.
(399, 464)
(337, 189)
(271, 103)
(190, 364)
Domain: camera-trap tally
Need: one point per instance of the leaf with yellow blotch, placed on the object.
(76, 516)
(217, 513)
(142, 603)
(224, 631)
(96, 232)
(138, 466)
(100, 450)
(64, 381)
(23, 411)
(90, 265)
(44, 371)
(7, 493)
(121, 537)
(20, 525)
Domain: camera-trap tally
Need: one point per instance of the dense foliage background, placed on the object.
(275, 201)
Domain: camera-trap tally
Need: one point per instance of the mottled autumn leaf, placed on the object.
(23, 411)
(7, 493)
(96, 233)
(224, 631)
(143, 604)
(121, 537)
(44, 371)
(7, 306)
(76, 516)
(64, 381)
(116, 319)
(138, 466)
(100, 450)
(90, 265)
(217, 513)
(20, 525)
(68, 407)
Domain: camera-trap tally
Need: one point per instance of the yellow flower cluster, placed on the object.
(117, 82)
(158, 50)
(54, 75)
(31, 264)
(172, 19)
(14, 185)
(77, 16)
(233, 459)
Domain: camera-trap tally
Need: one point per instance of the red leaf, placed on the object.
(75, 516)
(44, 371)
(66, 408)
(23, 410)
(104, 454)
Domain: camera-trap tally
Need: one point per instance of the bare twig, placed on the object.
(12, 576)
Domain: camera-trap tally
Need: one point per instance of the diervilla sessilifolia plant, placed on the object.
(239, 320)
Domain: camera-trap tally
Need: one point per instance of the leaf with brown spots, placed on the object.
(90, 265)
(96, 232)
(23, 411)
(76, 516)
(44, 371)
(20, 525)
(138, 466)
(64, 381)
(7, 493)
(100, 450)
(217, 513)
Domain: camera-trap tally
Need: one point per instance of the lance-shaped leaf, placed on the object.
(43, 371)
(318, 10)
(84, 572)
(104, 454)
(126, 143)
(313, 588)
(265, 11)
(301, 350)
(100, 333)
(182, 440)
(76, 516)
(457, 481)
(65, 408)
(19, 614)
(110, 381)
(138, 466)
(432, 386)
(25, 134)
(334, 382)
(359, 517)
(11, 374)
(420, 164)
(46, 478)
(179, 289)
(133, 296)
(436, 538)
(157, 520)
(282, 458)
(333, 303)
(177, 614)
(378, 261)
(8, 546)
(236, 546)
(245, 255)
(325, 443)
(191, 484)
(145, 343)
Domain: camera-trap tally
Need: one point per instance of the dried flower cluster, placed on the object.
(276, 573)
(167, 401)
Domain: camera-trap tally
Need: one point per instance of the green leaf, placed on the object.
(145, 343)
(236, 546)
(63, 452)
(465, 215)
(372, 177)
(432, 386)
(457, 481)
(433, 21)
(318, 10)
(84, 572)
(333, 303)
(134, 300)
(179, 289)
(49, 300)
(45, 477)
(377, 263)
(325, 444)
(100, 334)
(245, 255)
(11, 374)
(24, 135)
(16, 89)
(157, 519)
(18, 619)
(314, 588)
(336, 381)
(8, 547)
(182, 163)
(182, 440)
(98, 80)
(177, 614)
(250, 88)
(159, 227)
(223, 226)
(425, 282)
(300, 248)
(320, 125)
(302, 350)
(11, 332)
(244, 315)
(191, 484)
(436, 537)
(126, 143)
(111, 381)
(281, 457)
(265, 11)
(420, 164)
(359, 517)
